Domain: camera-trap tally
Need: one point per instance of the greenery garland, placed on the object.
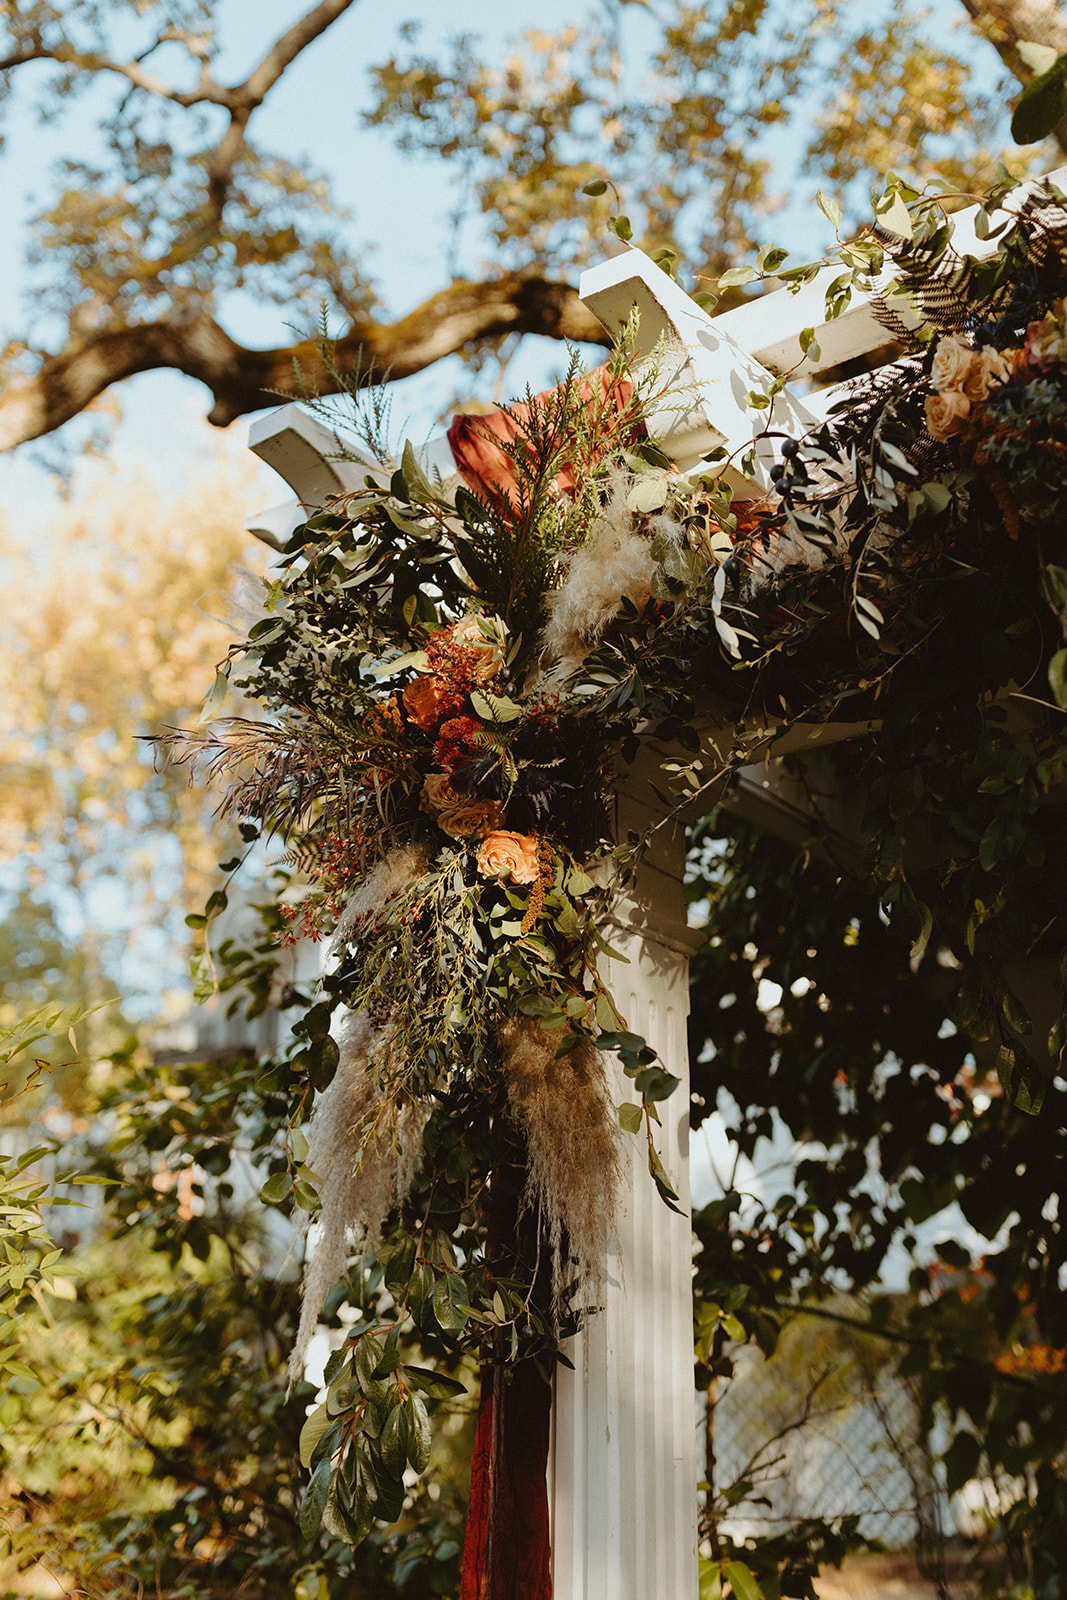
(451, 680)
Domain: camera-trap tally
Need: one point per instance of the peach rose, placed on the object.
(989, 368)
(513, 853)
(471, 818)
(484, 637)
(947, 413)
(422, 701)
(952, 363)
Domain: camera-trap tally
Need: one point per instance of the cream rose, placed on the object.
(947, 413)
(952, 364)
(470, 818)
(484, 637)
(513, 853)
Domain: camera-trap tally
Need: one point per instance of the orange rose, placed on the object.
(513, 853)
(422, 702)
(471, 818)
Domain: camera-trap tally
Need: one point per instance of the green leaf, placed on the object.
(595, 188)
(419, 1437)
(742, 1581)
(312, 1431)
(314, 1502)
(961, 1461)
(393, 1441)
(735, 276)
(450, 1304)
(276, 1188)
(1042, 105)
(1057, 678)
(494, 707)
(896, 217)
(438, 1385)
(215, 695)
(832, 212)
(710, 1579)
(647, 495)
(734, 1328)
(1015, 1014)
(918, 949)
(631, 1116)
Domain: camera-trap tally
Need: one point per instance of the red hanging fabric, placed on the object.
(507, 1555)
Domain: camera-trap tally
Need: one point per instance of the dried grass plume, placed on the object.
(563, 1107)
(363, 1148)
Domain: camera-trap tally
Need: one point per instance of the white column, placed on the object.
(622, 1472)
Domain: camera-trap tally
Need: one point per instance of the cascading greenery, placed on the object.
(906, 574)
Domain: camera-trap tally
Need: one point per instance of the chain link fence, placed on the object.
(821, 1429)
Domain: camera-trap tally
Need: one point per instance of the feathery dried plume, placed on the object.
(613, 563)
(563, 1107)
(363, 1144)
(393, 874)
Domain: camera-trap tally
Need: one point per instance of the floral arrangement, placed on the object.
(452, 678)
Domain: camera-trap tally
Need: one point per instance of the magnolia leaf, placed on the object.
(1042, 104)
(438, 1385)
(418, 1427)
(450, 1304)
(314, 1502)
(312, 1431)
(742, 1581)
(710, 1579)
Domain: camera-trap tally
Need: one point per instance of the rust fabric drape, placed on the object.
(507, 1555)
(477, 441)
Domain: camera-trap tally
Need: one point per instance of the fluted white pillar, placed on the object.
(622, 1472)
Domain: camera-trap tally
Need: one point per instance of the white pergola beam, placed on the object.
(703, 374)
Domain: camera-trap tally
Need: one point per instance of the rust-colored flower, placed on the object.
(424, 702)
(947, 413)
(513, 853)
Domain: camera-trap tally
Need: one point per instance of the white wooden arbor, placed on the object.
(623, 1469)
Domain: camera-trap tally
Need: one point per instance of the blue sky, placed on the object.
(399, 206)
